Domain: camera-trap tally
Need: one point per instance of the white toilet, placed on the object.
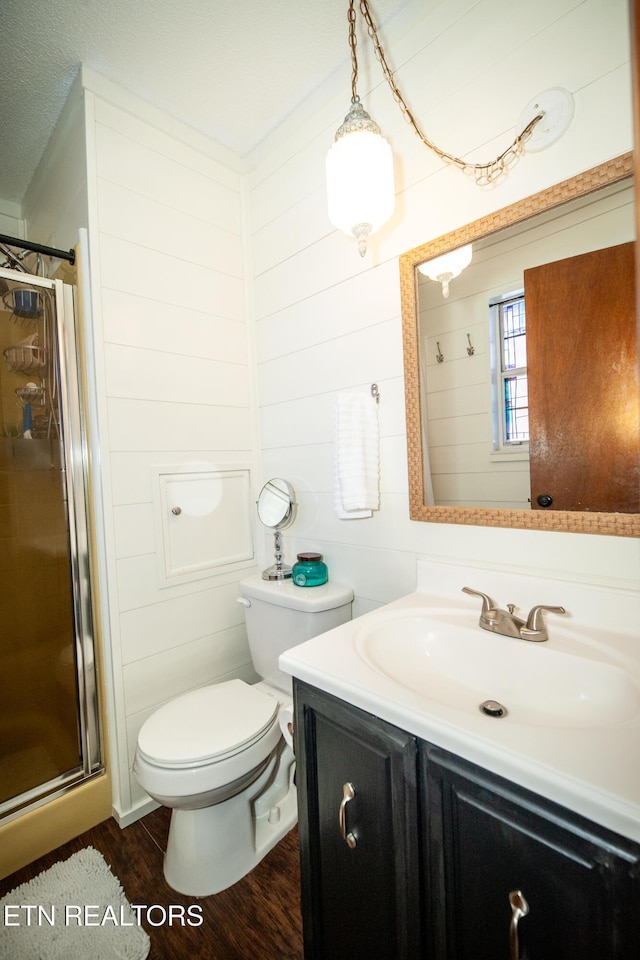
(217, 755)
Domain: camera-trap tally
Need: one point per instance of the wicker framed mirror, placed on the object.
(519, 217)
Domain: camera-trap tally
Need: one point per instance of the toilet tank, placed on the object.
(280, 615)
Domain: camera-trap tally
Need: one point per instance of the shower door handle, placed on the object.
(348, 793)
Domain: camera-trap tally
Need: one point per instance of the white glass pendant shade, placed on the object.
(443, 269)
(360, 187)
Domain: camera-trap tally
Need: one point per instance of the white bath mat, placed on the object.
(76, 910)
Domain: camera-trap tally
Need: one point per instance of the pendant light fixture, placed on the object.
(359, 165)
(360, 185)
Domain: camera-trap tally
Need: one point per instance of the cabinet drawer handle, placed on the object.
(348, 793)
(519, 908)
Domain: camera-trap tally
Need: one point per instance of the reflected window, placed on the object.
(510, 392)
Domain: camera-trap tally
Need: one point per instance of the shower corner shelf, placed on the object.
(25, 358)
(24, 303)
(31, 395)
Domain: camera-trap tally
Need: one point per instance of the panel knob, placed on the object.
(544, 500)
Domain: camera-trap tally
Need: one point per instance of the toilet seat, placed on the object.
(207, 725)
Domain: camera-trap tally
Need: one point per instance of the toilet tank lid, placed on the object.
(284, 593)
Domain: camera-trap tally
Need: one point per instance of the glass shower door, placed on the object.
(48, 705)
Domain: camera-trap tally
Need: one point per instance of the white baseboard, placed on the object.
(141, 810)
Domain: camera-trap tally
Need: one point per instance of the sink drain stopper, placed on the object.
(493, 709)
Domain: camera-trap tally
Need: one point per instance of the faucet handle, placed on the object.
(535, 620)
(535, 628)
(488, 605)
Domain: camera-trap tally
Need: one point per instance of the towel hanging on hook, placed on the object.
(357, 456)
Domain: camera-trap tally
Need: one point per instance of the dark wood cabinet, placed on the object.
(489, 839)
(428, 849)
(357, 794)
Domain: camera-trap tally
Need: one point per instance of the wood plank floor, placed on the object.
(256, 919)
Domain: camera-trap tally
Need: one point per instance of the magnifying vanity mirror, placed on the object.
(521, 367)
(277, 510)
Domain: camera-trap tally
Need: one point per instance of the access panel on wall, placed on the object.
(202, 521)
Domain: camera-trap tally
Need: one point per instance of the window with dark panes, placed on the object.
(511, 413)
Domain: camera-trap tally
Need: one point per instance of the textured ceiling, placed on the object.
(233, 69)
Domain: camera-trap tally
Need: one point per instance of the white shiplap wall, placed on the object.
(174, 387)
(11, 222)
(327, 321)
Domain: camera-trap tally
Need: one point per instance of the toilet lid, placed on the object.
(207, 724)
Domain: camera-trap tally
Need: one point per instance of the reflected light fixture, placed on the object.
(443, 269)
(359, 165)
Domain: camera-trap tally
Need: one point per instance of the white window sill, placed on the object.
(513, 454)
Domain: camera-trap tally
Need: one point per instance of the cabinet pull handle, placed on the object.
(348, 793)
(519, 908)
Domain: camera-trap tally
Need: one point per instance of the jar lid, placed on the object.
(310, 557)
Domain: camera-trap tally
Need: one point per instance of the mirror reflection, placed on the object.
(521, 361)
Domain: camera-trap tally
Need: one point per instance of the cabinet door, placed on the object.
(489, 839)
(360, 897)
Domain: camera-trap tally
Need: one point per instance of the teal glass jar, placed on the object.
(309, 570)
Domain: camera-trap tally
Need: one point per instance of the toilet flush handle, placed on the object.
(244, 601)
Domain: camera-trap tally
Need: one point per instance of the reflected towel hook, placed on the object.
(439, 354)
(470, 349)
(375, 393)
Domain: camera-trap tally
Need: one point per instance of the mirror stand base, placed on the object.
(277, 571)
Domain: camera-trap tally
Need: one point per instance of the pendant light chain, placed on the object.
(483, 173)
(353, 42)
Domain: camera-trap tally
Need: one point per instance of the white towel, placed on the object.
(357, 456)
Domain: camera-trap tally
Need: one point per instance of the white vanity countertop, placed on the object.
(592, 770)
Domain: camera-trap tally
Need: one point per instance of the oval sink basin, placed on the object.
(442, 658)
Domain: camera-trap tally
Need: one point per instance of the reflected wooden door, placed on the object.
(582, 360)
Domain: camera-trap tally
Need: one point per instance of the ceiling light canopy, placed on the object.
(360, 187)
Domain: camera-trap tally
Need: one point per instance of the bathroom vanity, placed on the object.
(432, 847)
(429, 829)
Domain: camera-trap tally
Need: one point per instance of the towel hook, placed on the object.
(470, 349)
(375, 393)
(439, 354)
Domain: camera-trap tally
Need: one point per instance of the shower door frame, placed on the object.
(73, 436)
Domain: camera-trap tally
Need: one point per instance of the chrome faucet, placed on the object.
(506, 623)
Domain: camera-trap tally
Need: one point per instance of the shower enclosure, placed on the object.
(49, 718)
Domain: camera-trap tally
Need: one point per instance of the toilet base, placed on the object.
(212, 848)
